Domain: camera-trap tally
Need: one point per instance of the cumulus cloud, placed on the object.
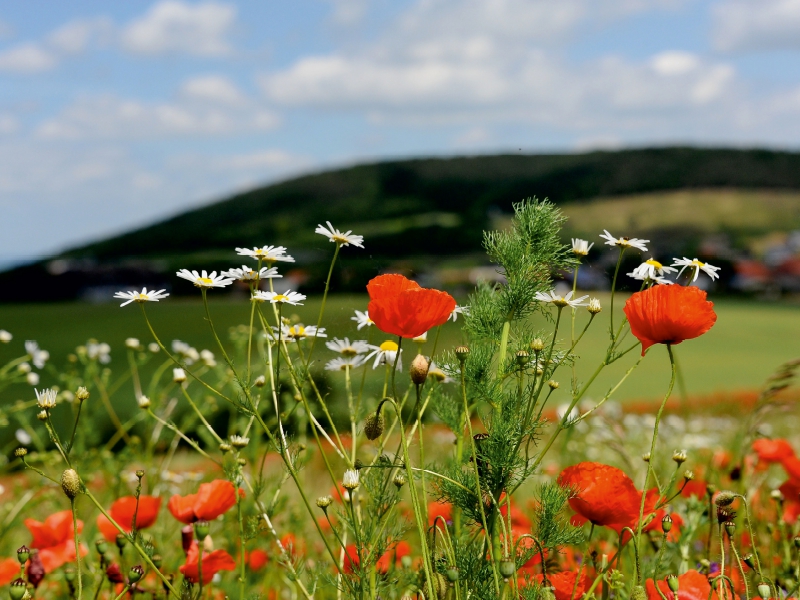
(27, 58)
(742, 25)
(173, 26)
(76, 36)
(213, 88)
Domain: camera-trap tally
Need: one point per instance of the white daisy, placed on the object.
(581, 247)
(439, 375)
(459, 310)
(385, 355)
(205, 280)
(5, 337)
(697, 266)
(287, 297)
(187, 353)
(207, 356)
(38, 356)
(342, 363)
(32, 378)
(99, 352)
(295, 333)
(347, 348)
(624, 242)
(362, 319)
(133, 343)
(139, 297)
(343, 239)
(650, 269)
(635, 274)
(350, 479)
(248, 274)
(268, 254)
(561, 301)
(46, 398)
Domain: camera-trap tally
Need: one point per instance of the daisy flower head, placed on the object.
(205, 280)
(581, 247)
(436, 372)
(459, 310)
(650, 269)
(561, 301)
(343, 363)
(421, 338)
(624, 242)
(267, 254)
(101, 352)
(46, 398)
(299, 332)
(5, 336)
(287, 297)
(140, 297)
(248, 274)
(347, 348)
(362, 319)
(385, 354)
(636, 274)
(38, 356)
(343, 239)
(696, 266)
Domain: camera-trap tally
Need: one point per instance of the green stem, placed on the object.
(501, 359)
(324, 300)
(77, 547)
(613, 292)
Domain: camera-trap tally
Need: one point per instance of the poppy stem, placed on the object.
(124, 591)
(77, 547)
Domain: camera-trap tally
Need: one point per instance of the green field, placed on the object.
(747, 343)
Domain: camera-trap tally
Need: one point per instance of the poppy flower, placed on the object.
(256, 559)
(393, 553)
(691, 586)
(210, 501)
(563, 584)
(669, 314)
(772, 451)
(401, 307)
(438, 509)
(54, 538)
(9, 570)
(213, 562)
(122, 511)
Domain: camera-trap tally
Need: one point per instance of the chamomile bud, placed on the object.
(594, 306)
(537, 345)
(143, 402)
(679, 456)
(178, 375)
(399, 480)
(553, 384)
(688, 475)
(776, 495)
(324, 502)
(646, 457)
(154, 348)
(350, 479)
(260, 381)
(132, 343)
(239, 441)
(82, 394)
(20, 452)
(225, 447)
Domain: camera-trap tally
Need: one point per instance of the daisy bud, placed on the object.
(201, 530)
(101, 545)
(724, 498)
(20, 452)
(419, 370)
(178, 375)
(776, 495)
(399, 480)
(646, 457)
(688, 475)
(763, 590)
(32, 378)
(673, 583)
(594, 306)
(24, 368)
(324, 502)
(42, 415)
(522, 358)
(679, 456)
(241, 461)
(507, 568)
(239, 441)
(23, 554)
(153, 347)
(135, 574)
(144, 402)
(553, 384)
(225, 447)
(666, 523)
(452, 574)
(373, 425)
(537, 345)
(71, 483)
(18, 589)
(260, 381)
(350, 479)
(132, 343)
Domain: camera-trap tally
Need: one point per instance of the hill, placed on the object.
(413, 210)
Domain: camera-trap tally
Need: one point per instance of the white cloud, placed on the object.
(74, 37)
(27, 58)
(742, 25)
(173, 26)
(212, 88)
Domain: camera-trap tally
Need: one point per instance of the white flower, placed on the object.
(459, 310)
(204, 279)
(343, 362)
(140, 297)
(207, 356)
(347, 348)
(350, 479)
(649, 280)
(624, 242)
(561, 301)
(288, 297)
(385, 355)
(154, 348)
(594, 306)
(188, 354)
(362, 319)
(132, 343)
(178, 375)
(696, 266)
(46, 398)
(32, 378)
(581, 247)
(143, 402)
(421, 338)
(24, 368)
(38, 356)
(267, 254)
(5, 337)
(650, 269)
(299, 332)
(23, 437)
(248, 274)
(343, 239)
(99, 352)
(239, 441)
(439, 375)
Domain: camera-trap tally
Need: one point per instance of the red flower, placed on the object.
(9, 570)
(122, 512)
(213, 562)
(210, 501)
(439, 509)
(55, 539)
(256, 559)
(564, 584)
(669, 314)
(401, 307)
(393, 553)
(692, 586)
(773, 451)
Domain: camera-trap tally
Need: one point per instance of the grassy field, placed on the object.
(747, 343)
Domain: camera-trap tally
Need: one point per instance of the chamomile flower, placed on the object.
(207, 356)
(347, 348)
(420, 339)
(5, 337)
(46, 398)
(248, 274)
(581, 247)
(561, 301)
(140, 297)
(101, 352)
(362, 319)
(344, 362)
(287, 297)
(342, 239)
(696, 266)
(635, 274)
(32, 378)
(439, 375)
(459, 310)
(38, 356)
(297, 332)
(267, 254)
(624, 242)
(385, 354)
(187, 353)
(204, 279)
(650, 269)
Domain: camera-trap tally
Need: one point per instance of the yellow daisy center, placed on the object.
(654, 263)
(349, 351)
(297, 331)
(141, 297)
(560, 301)
(388, 346)
(204, 281)
(698, 263)
(339, 239)
(280, 298)
(437, 374)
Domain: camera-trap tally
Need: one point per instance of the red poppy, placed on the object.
(393, 553)
(256, 559)
(563, 584)
(122, 512)
(213, 562)
(210, 501)
(694, 488)
(9, 570)
(669, 314)
(401, 307)
(55, 539)
(440, 509)
(773, 451)
(691, 586)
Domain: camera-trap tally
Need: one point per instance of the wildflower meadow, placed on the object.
(288, 463)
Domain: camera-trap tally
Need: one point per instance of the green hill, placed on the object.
(422, 209)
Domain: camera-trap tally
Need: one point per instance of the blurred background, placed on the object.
(137, 138)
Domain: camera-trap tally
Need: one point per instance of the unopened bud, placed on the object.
(42, 415)
(324, 502)
(101, 546)
(239, 441)
(537, 345)
(135, 574)
(139, 473)
(688, 475)
(461, 353)
(178, 375)
(225, 447)
(679, 456)
(522, 358)
(553, 384)
(776, 495)
(666, 523)
(241, 461)
(71, 483)
(507, 568)
(121, 541)
(763, 590)
(20, 452)
(646, 457)
(82, 394)
(201, 530)
(399, 480)
(143, 401)
(673, 583)
(419, 370)
(452, 574)
(260, 381)
(157, 560)
(724, 498)
(373, 426)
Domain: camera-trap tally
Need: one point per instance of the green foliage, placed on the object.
(552, 529)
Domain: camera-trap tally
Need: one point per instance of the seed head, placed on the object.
(749, 561)
(135, 574)
(522, 357)
(82, 394)
(461, 353)
(201, 530)
(763, 590)
(730, 527)
(419, 369)
(23, 554)
(673, 583)
(71, 483)
(101, 546)
(452, 574)
(666, 523)
(19, 589)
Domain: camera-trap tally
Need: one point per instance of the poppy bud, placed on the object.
(507, 568)
(522, 358)
(724, 498)
(121, 541)
(260, 381)
(373, 425)
(461, 353)
(749, 561)
(399, 480)
(711, 489)
(114, 573)
(324, 502)
(419, 369)
(201, 530)
(679, 456)
(452, 574)
(20, 452)
(673, 583)
(666, 524)
(763, 590)
(537, 345)
(19, 587)
(187, 537)
(71, 483)
(135, 574)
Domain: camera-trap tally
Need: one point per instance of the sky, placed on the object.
(117, 114)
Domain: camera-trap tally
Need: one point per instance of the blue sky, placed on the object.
(116, 114)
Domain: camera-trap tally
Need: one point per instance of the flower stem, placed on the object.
(77, 547)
